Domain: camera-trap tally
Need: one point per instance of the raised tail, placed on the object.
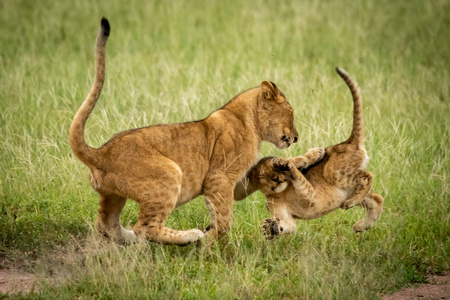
(78, 144)
(357, 135)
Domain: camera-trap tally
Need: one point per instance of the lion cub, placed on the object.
(162, 167)
(310, 186)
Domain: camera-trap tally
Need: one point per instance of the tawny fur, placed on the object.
(310, 186)
(164, 166)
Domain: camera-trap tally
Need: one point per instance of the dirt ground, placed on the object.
(437, 288)
(14, 281)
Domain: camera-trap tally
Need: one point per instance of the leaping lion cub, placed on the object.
(164, 166)
(310, 186)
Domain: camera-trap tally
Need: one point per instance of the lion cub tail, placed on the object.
(78, 144)
(357, 135)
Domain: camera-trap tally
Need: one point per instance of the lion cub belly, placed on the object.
(189, 189)
(193, 177)
(327, 198)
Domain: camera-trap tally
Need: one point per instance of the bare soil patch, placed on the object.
(14, 280)
(437, 288)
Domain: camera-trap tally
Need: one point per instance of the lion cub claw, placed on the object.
(281, 164)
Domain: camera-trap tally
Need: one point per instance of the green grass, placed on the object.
(174, 61)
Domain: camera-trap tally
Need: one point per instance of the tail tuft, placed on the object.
(106, 28)
(341, 71)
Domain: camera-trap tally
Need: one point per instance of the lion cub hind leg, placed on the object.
(362, 182)
(157, 194)
(373, 203)
(155, 207)
(108, 220)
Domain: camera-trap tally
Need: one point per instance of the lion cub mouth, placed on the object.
(287, 140)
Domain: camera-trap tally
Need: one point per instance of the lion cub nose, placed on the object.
(295, 139)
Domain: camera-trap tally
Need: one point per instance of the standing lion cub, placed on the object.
(310, 186)
(164, 166)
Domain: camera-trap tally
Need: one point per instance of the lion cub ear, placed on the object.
(270, 91)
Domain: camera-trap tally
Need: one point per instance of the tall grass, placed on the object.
(173, 61)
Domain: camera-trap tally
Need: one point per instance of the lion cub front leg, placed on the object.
(271, 228)
(218, 192)
(311, 157)
(303, 188)
(282, 222)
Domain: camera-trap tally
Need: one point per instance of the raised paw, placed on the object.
(270, 228)
(315, 155)
(281, 164)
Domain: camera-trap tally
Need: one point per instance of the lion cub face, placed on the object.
(268, 178)
(276, 117)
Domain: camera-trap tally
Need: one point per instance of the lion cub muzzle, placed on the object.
(289, 137)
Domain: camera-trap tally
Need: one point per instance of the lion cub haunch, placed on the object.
(164, 166)
(314, 184)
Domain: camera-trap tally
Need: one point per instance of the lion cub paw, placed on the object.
(281, 164)
(349, 204)
(191, 236)
(129, 237)
(315, 155)
(271, 228)
(362, 225)
(195, 234)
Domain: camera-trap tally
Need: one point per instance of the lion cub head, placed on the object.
(268, 178)
(275, 116)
